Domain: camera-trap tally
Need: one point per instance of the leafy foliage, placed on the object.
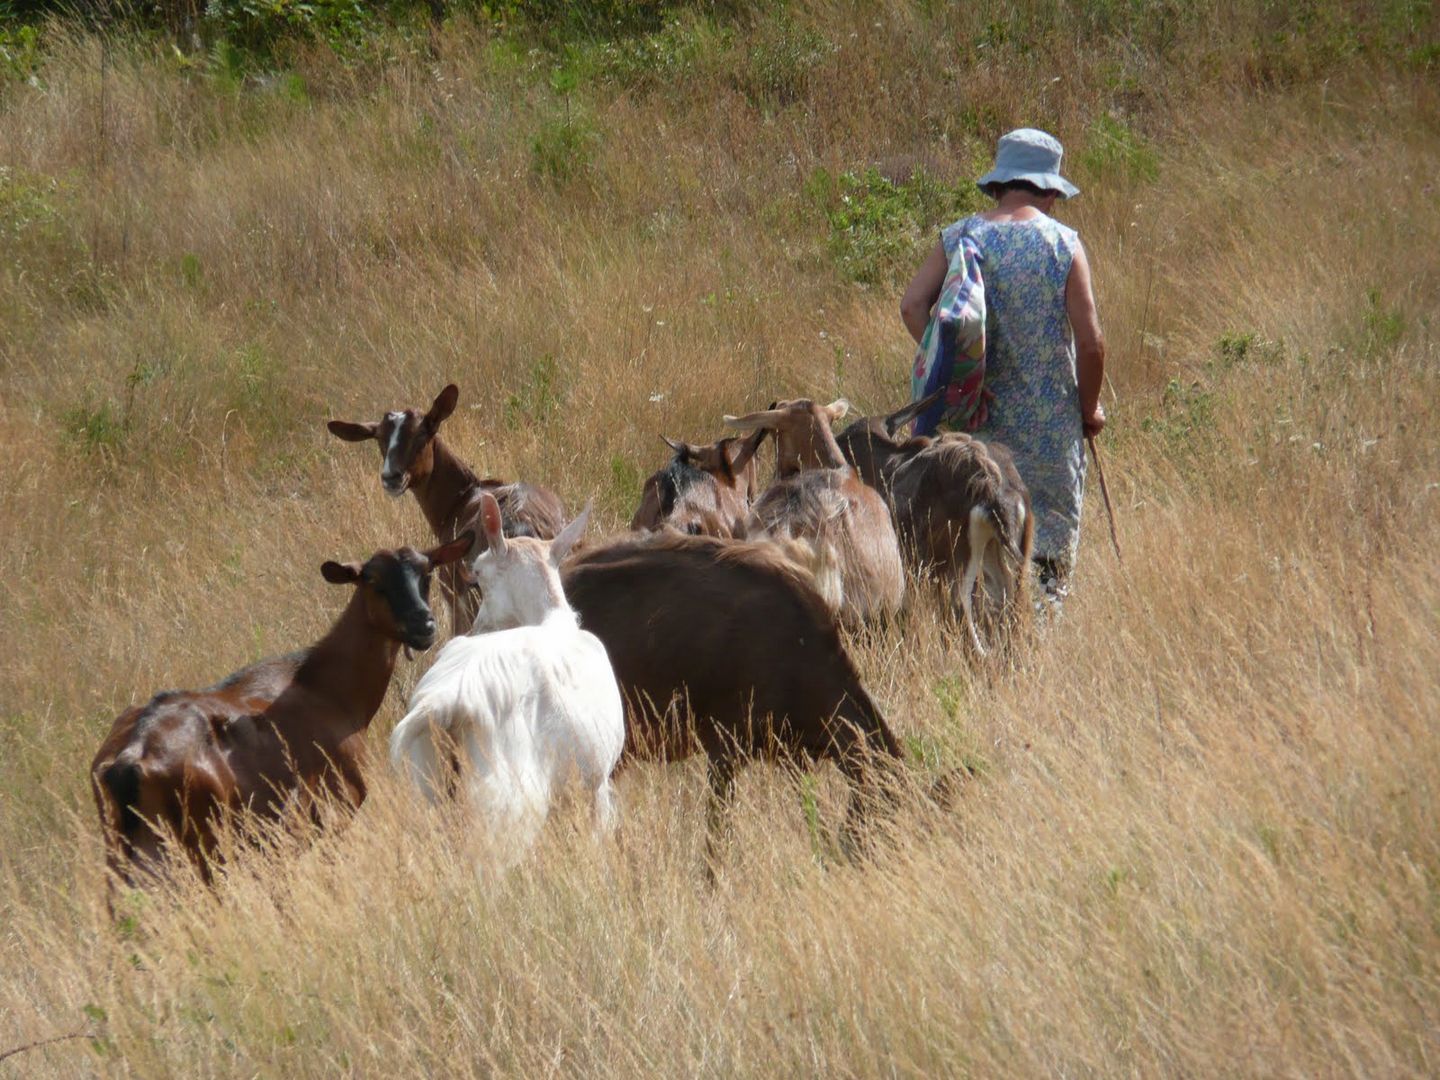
(563, 148)
(879, 227)
(1113, 151)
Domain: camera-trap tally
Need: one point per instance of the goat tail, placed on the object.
(982, 532)
(416, 755)
(120, 781)
(818, 559)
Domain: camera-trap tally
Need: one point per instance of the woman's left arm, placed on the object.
(922, 293)
(1089, 342)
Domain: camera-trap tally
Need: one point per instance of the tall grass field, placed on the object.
(1200, 839)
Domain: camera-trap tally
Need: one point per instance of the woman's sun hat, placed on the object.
(1031, 155)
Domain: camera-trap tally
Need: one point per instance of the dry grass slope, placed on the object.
(1203, 837)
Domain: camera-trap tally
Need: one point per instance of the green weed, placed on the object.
(1384, 326)
(880, 229)
(781, 64)
(538, 399)
(1245, 350)
(1114, 152)
(191, 272)
(1185, 422)
(95, 429)
(564, 148)
(625, 481)
(20, 54)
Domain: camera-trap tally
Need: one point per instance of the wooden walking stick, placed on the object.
(1105, 494)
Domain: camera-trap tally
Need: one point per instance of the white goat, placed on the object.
(527, 701)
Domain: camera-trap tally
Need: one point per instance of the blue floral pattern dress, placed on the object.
(1030, 367)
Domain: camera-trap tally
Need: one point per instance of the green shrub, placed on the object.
(562, 19)
(564, 147)
(1383, 326)
(1114, 152)
(1185, 422)
(626, 481)
(879, 228)
(95, 430)
(538, 398)
(671, 55)
(19, 52)
(1244, 350)
(40, 238)
(780, 64)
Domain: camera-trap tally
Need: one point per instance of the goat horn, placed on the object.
(766, 418)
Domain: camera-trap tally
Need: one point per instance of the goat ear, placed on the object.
(448, 553)
(492, 522)
(443, 406)
(570, 535)
(352, 432)
(340, 573)
(900, 417)
(681, 450)
(837, 408)
(746, 450)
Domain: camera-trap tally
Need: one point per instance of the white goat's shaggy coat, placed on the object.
(526, 710)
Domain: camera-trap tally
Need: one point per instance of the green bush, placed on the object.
(1384, 326)
(19, 52)
(538, 399)
(95, 430)
(781, 63)
(256, 26)
(564, 147)
(579, 18)
(685, 46)
(1114, 152)
(1185, 422)
(880, 229)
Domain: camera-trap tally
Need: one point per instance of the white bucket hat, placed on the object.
(1032, 155)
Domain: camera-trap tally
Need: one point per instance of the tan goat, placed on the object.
(962, 512)
(819, 499)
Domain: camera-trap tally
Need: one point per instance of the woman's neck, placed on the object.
(1020, 206)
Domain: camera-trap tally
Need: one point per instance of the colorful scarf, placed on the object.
(952, 349)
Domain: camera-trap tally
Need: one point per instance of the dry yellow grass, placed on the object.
(1203, 838)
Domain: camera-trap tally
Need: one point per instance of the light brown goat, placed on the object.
(704, 490)
(962, 512)
(819, 498)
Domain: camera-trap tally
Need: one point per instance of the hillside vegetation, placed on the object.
(1201, 838)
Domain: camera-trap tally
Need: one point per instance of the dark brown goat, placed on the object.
(962, 511)
(704, 490)
(282, 732)
(725, 648)
(820, 500)
(413, 457)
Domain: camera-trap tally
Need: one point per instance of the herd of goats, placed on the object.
(712, 627)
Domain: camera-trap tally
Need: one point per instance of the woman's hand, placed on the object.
(1093, 421)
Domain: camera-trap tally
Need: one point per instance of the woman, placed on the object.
(1044, 352)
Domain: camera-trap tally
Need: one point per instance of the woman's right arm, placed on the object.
(922, 292)
(1089, 342)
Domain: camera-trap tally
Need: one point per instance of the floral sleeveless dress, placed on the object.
(1030, 368)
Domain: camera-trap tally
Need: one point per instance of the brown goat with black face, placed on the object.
(284, 731)
(725, 648)
(413, 458)
(820, 500)
(704, 490)
(962, 512)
